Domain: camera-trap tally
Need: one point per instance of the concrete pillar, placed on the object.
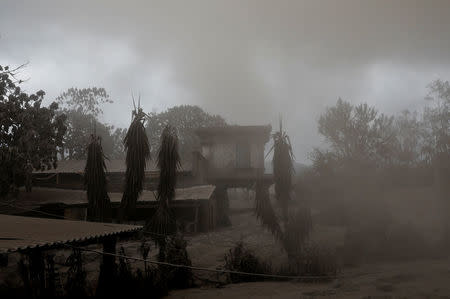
(223, 205)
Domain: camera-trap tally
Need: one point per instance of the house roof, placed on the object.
(46, 196)
(250, 131)
(20, 233)
(77, 166)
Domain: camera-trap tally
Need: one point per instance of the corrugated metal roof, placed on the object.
(44, 196)
(77, 166)
(19, 233)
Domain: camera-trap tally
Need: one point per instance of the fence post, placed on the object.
(107, 269)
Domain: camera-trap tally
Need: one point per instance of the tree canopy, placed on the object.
(185, 119)
(358, 135)
(30, 133)
(83, 107)
(437, 117)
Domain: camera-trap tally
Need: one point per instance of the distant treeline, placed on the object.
(83, 108)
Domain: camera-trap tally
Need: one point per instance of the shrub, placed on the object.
(146, 283)
(76, 276)
(242, 259)
(176, 253)
(312, 260)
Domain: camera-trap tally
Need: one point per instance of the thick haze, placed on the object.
(246, 60)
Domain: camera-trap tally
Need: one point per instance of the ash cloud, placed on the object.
(249, 61)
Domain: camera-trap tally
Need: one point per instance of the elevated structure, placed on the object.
(227, 157)
(231, 155)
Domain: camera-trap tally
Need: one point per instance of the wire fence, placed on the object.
(216, 270)
(222, 271)
(194, 268)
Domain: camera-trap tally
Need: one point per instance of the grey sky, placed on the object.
(246, 60)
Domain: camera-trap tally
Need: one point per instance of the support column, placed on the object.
(109, 261)
(223, 205)
(107, 269)
(34, 280)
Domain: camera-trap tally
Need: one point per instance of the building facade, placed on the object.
(232, 155)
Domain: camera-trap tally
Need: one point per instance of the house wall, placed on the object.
(73, 181)
(223, 154)
(75, 213)
(257, 155)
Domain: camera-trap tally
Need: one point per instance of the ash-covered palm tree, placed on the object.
(297, 223)
(138, 152)
(99, 205)
(297, 219)
(163, 223)
(168, 163)
(283, 169)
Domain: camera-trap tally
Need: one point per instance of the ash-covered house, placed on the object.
(227, 157)
(194, 207)
(232, 156)
(60, 191)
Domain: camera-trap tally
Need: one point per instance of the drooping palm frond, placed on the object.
(99, 206)
(138, 152)
(161, 226)
(168, 163)
(163, 223)
(283, 169)
(264, 210)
